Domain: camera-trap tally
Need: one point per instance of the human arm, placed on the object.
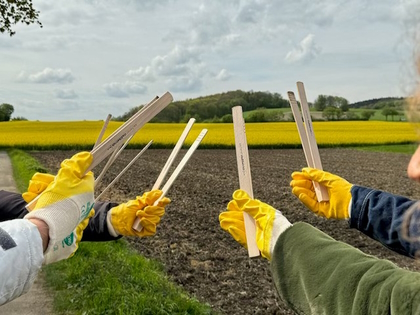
(111, 220)
(12, 206)
(21, 257)
(315, 274)
(378, 214)
(382, 215)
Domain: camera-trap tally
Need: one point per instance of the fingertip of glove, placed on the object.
(307, 169)
(240, 194)
(232, 206)
(296, 173)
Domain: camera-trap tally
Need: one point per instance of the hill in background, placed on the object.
(261, 106)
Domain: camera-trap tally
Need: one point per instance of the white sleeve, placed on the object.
(21, 257)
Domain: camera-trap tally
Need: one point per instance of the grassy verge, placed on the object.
(24, 166)
(108, 277)
(398, 148)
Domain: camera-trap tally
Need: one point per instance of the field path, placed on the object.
(38, 301)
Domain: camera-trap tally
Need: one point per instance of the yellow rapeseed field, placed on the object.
(62, 135)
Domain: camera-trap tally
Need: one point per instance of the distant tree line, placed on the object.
(379, 103)
(337, 108)
(6, 111)
(213, 108)
(217, 108)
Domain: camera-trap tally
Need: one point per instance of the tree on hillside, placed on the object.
(388, 111)
(379, 103)
(366, 114)
(6, 111)
(227, 118)
(324, 101)
(329, 112)
(15, 11)
(332, 113)
(257, 116)
(320, 103)
(343, 104)
(212, 108)
(351, 116)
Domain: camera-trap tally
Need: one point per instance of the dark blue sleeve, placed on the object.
(12, 206)
(97, 230)
(381, 216)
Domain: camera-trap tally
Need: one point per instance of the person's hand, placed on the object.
(38, 183)
(67, 247)
(65, 203)
(338, 188)
(269, 222)
(122, 217)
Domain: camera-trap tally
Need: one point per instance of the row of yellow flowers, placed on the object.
(84, 133)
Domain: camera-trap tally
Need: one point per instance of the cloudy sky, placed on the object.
(94, 58)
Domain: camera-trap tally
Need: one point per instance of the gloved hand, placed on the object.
(269, 222)
(67, 247)
(338, 190)
(65, 203)
(38, 183)
(122, 217)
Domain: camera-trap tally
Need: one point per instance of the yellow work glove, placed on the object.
(122, 217)
(338, 188)
(38, 183)
(269, 222)
(64, 204)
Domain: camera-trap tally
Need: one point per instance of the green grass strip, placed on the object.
(401, 148)
(24, 166)
(109, 278)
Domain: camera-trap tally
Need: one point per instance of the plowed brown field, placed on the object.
(204, 259)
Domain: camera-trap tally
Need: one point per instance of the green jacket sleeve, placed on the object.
(315, 274)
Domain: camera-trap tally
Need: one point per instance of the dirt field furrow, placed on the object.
(205, 260)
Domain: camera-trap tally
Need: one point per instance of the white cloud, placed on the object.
(143, 74)
(48, 75)
(184, 84)
(124, 89)
(181, 68)
(65, 94)
(223, 75)
(179, 61)
(306, 51)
